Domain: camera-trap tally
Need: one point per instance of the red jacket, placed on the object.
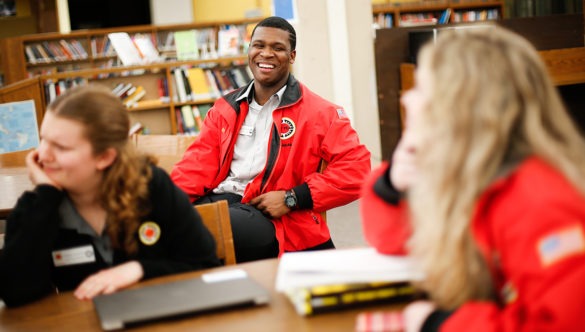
(529, 227)
(309, 129)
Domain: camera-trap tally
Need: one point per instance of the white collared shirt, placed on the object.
(251, 149)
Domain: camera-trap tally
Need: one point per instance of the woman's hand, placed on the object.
(415, 315)
(36, 173)
(403, 171)
(109, 280)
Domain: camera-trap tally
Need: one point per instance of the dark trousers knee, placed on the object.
(254, 234)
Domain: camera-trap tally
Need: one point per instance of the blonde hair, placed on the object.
(492, 105)
(124, 189)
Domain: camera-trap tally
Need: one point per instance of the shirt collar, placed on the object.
(248, 92)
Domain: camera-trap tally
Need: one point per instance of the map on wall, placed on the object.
(18, 126)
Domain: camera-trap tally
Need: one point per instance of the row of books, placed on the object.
(102, 47)
(407, 20)
(196, 83)
(190, 84)
(207, 43)
(55, 51)
(129, 93)
(383, 20)
(429, 18)
(476, 15)
(193, 44)
(56, 88)
(190, 118)
(386, 20)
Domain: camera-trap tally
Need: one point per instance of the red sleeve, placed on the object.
(386, 226)
(348, 166)
(545, 281)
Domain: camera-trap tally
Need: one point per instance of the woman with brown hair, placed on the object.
(486, 190)
(101, 217)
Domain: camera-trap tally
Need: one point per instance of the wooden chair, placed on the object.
(168, 149)
(216, 217)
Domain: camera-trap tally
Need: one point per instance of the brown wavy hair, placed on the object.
(492, 105)
(124, 189)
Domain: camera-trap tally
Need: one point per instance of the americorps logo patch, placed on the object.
(149, 233)
(287, 128)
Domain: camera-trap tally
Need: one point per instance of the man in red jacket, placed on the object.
(261, 147)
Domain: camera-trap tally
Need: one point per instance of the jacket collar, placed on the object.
(291, 95)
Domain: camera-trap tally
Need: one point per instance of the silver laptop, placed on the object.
(180, 298)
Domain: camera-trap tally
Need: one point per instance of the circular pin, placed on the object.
(287, 128)
(149, 233)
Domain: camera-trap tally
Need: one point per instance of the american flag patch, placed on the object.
(561, 244)
(341, 113)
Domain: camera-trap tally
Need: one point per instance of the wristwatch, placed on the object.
(290, 199)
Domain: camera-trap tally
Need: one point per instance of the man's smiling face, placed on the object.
(270, 56)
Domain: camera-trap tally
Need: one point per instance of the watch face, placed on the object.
(290, 200)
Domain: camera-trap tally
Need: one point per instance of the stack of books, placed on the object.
(322, 281)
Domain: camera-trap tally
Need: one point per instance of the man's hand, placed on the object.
(109, 280)
(271, 204)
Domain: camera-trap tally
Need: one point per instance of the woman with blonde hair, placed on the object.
(101, 217)
(486, 190)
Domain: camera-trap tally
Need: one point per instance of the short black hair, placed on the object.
(279, 23)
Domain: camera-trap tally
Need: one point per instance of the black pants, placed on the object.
(254, 234)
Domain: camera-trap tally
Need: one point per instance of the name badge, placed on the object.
(247, 130)
(73, 256)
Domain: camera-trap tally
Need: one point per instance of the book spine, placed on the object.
(216, 93)
(188, 90)
(197, 118)
(180, 123)
(188, 120)
(180, 85)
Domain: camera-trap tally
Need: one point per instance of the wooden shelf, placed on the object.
(386, 14)
(157, 108)
(16, 67)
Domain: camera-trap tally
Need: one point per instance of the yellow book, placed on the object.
(198, 81)
(317, 299)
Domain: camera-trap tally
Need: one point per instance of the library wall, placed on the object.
(171, 11)
(335, 58)
(226, 10)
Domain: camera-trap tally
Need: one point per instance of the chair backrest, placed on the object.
(216, 217)
(168, 149)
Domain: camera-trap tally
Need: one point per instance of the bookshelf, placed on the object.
(156, 109)
(162, 86)
(435, 12)
(556, 34)
(49, 53)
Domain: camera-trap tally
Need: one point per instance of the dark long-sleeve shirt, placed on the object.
(36, 260)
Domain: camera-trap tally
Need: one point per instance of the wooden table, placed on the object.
(13, 182)
(65, 313)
